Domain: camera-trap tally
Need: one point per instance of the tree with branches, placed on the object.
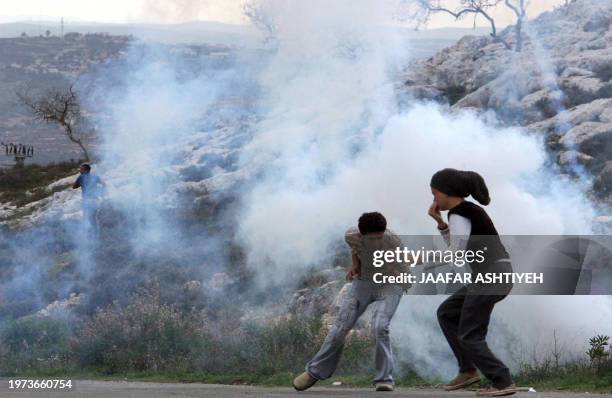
(518, 8)
(60, 106)
(465, 8)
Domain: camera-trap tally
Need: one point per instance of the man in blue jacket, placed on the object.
(92, 189)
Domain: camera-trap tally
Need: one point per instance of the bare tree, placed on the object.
(465, 8)
(518, 7)
(62, 107)
(256, 13)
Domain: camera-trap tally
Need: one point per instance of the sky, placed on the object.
(177, 11)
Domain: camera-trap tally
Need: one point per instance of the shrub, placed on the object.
(281, 346)
(23, 185)
(146, 335)
(33, 343)
(593, 371)
(597, 353)
(286, 344)
(263, 349)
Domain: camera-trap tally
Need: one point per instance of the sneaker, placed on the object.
(462, 380)
(304, 382)
(496, 392)
(383, 386)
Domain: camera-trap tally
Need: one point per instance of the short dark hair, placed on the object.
(372, 222)
(86, 166)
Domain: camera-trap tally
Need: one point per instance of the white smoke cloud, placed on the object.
(333, 143)
(153, 114)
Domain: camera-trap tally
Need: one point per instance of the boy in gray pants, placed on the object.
(371, 235)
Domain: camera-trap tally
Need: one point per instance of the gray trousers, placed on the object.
(361, 295)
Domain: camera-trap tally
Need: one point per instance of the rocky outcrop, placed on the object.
(324, 301)
(61, 308)
(560, 84)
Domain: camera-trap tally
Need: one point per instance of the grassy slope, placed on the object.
(23, 185)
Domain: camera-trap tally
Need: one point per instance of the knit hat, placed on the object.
(461, 183)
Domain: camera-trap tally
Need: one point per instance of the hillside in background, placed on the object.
(559, 86)
(232, 174)
(37, 61)
(194, 32)
(200, 32)
(33, 65)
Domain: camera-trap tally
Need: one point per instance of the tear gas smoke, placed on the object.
(310, 134)
(333, 144)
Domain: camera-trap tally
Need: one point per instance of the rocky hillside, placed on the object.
(559, 85)
(33, 64)
(36, 63)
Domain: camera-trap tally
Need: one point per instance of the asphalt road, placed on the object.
(115, 389)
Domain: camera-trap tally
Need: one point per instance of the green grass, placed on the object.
(148, 340)
(581, 381)
(27, 184)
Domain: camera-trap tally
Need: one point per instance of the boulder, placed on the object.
(603, 182)
(559, 85)
(591, 138)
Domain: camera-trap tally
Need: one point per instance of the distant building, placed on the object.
(72, 35)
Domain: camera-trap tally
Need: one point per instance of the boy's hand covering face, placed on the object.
(434, 211)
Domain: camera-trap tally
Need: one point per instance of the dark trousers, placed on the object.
(464, 319)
